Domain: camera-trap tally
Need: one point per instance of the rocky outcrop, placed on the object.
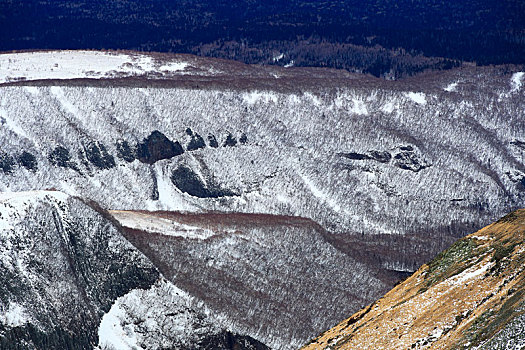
(157, 147)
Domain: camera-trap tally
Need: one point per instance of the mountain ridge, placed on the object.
(467, 297)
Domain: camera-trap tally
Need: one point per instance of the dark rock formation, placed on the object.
(187, 181)
(6, 163)
(28, 161)
(97, 155)
(408, 160)
(196, 141)
(518, 143)
(380, 156)
(157, 147)
(61, 157)
(243, 139)
(230, 141)
(212, 141)
(124, 151)
(355, 156)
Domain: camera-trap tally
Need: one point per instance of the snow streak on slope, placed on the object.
(155, 223)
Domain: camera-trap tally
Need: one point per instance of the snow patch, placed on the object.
(174, 67)
(68, 106)
(278, 57)
(451, 87)
(359, 107)
(111, 332)
(314, 99)
(14, 316)
(69, 64)
(471, 273)
(318, 193)
(252, 98)
(388, 107)
(417, 97)
(516, 81)
(152, 319)
(33, 90)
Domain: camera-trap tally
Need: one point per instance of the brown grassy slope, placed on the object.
(460, 299)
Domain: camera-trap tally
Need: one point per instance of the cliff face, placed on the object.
(472, 294)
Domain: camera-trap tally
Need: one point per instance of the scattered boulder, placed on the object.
(28, 161)
(188, 182)
(61, 157)
(157, 147)
(97, 155)
(212, 141)
(124, 151)
(6, 163)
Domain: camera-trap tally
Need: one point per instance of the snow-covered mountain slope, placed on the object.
(437, 155)
(257, 273)
(471, 296)
(69, 279)
(83, 64)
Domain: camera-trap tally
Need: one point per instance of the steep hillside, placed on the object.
(430, 158)
(69, 279)
(257, 273)
(472, 295)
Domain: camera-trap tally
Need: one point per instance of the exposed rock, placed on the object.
(97, 154)
(124, 151)
(196, 142)
(518, 143)
(157, 147)
(28, 161)
(230, 141)
(408, 160)
(381, 156)
(212, 141)
(243, 139)
(355, 156)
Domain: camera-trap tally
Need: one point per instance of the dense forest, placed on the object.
(389, 38)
